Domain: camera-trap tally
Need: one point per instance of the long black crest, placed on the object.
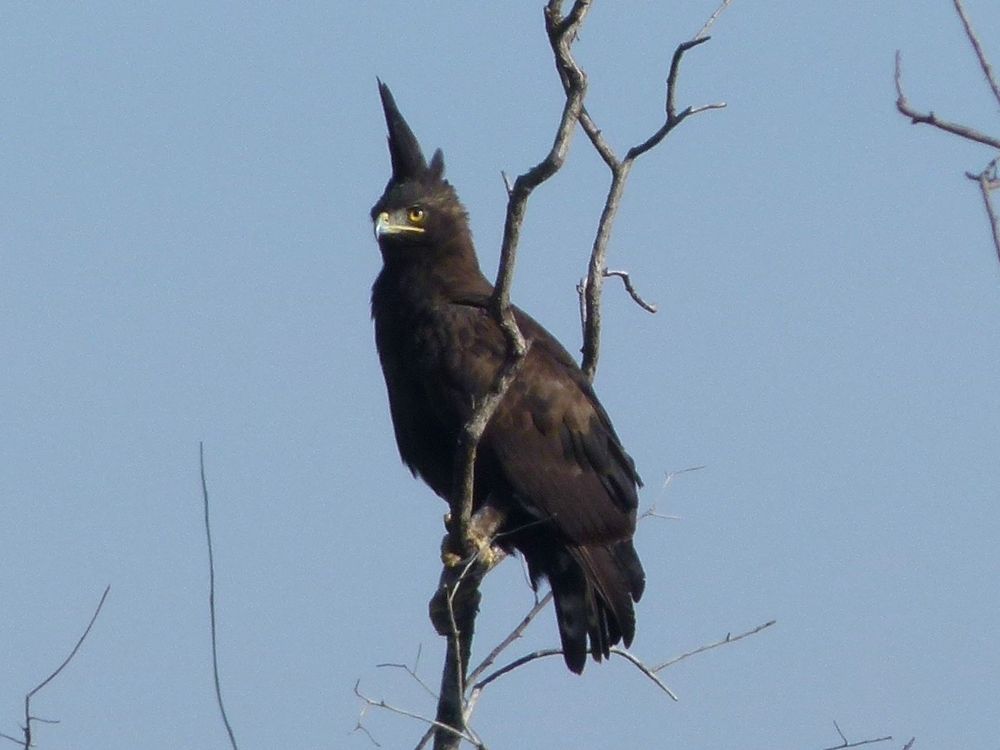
(408, 161)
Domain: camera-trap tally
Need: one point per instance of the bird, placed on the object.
(550, 468)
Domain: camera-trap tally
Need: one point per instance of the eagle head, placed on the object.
(419, 208)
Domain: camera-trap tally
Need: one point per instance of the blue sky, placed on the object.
(186, 255)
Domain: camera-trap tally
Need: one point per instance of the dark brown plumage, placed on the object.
(549, 462)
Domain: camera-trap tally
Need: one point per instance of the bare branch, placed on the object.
(28, 717)
(546, 652)
(597, 267)
(562, 32)
(970, 32)
(381, 703)
(627, 280)
(709, 646)
(669, 476)
(988, 182)
(211, 600)
(412, 671)
(652, 512)
(514, 634)
(844, 742)
(650, 673)
(929, 118)
(987, 178)
(712, 19)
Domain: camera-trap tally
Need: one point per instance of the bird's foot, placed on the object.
(465, 561)
(477, 547)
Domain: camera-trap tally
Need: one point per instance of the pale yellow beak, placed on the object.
(386, 225)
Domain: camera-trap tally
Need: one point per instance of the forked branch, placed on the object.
(458, 589)
(987, 178)
(459, 585)
(591, 288)
(27, 730)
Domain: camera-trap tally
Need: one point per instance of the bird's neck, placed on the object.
(431, 275)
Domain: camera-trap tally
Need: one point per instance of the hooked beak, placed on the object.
(385, 226)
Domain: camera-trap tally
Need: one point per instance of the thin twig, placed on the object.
(511, 666)
(547, 652)
(712, 19)
(669, 476)
(844, 743)
(359, 727)
(514, 634)
(988, 182)
(28, 718)
(211, 601)
(709, 646)
(668, 479)
(412, 671)
(970, 32)
(929, 118)
(650, 673)
(630, 288)
(381, 703)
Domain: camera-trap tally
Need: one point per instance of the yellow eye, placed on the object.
(416, 215)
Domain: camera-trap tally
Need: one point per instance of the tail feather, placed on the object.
(593, 588)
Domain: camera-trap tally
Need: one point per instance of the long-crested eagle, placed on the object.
(550, 465)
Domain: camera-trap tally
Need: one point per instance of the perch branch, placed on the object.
(562, 32)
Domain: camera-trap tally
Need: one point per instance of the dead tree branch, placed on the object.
(478, 688)
(468, 552)
(477, 682)
(706, 27)
(412, 671)
(211, 600)
(987, 178)
(627, 281)
(929, 118)
(649, 672)
(709, 646)
(977, 47)
(27, 730)
(462, 589)
(844, 743)
(591, 288)
(445, 728)
(988, 182)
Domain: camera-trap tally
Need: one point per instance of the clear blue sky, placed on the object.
(186, 254)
